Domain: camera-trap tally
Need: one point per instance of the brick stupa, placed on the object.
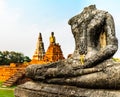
(53, 53)
(40, 51)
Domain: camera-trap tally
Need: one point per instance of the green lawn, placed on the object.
(6, 92)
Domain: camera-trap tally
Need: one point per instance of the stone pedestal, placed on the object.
(36, 89)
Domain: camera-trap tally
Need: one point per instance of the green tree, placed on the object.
(7, 57)
(27, 59)
(1, 57)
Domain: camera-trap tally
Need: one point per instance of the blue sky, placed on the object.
(22, 20)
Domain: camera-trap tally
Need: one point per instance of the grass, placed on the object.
(6, 92)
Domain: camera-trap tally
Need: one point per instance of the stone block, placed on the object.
(36, 89)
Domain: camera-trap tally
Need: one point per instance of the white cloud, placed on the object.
(2, 6)
(9, 23)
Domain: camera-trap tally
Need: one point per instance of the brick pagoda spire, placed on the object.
(39, 52)
(54, 52)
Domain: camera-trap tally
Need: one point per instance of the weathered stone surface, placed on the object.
(34, 89)
(90, 66)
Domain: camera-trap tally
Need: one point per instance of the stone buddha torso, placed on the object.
(93, 33)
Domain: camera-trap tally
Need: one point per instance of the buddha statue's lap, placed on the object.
(95, 44)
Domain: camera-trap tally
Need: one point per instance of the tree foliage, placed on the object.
(7, 57)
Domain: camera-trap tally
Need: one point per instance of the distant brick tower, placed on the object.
(54, 52)
(39, 52)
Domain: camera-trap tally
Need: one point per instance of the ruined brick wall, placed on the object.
(6, 72)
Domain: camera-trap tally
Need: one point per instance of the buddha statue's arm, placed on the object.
(111, 44)
(102, 55)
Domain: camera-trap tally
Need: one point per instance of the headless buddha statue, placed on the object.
(90, 65)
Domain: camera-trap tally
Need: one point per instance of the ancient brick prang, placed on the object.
(40, 51)
(53, 53)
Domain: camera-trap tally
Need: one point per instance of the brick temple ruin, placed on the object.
(53, 53)
(11, 74)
